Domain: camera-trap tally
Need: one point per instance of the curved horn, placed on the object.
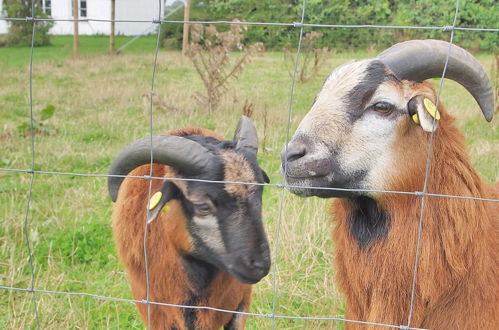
(422, 59)
(246, 135)
(175, 151)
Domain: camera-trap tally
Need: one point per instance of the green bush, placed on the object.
(472, 13)
(20, 32)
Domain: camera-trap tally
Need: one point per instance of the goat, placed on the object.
(368, 131)
(209, 246)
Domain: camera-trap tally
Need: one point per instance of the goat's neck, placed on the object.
(367, 221)
(451, 171)
(454, 221)
(200, 275)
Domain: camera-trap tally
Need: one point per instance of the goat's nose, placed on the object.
(255, 263)
(295, 150)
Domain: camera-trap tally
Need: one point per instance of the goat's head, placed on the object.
(365, 108)
(223, 219)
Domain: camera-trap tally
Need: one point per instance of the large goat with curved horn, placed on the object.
(369, 130)
(209, 246)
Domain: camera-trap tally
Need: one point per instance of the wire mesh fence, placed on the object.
(32, 172)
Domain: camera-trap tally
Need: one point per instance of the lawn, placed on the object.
(100, 104)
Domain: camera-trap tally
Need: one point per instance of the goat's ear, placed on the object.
(422, 112)
(166, 193)
(266, 178)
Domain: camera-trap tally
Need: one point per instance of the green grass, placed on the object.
(61, 48)
(101, 104)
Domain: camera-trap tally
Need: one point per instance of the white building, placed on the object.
(3, 24)
(100, 10)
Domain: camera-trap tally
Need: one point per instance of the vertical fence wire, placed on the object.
(427, 172)
(282, 197)
(273, 315)
(32, 176)
(151, 105)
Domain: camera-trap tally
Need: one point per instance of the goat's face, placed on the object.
(347, 140)
(224, 219)
(370, 112)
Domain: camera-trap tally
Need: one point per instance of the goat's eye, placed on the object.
(202, 209)
(382, 107)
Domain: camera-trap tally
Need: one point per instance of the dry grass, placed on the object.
(102, 103)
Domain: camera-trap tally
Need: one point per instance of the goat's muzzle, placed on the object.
(251, 266)
(308, 168)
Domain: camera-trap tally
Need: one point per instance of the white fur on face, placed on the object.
(368, 149)
(208, 230)
(327, 112)
(368, 146)
(390, 93)
(361, 145)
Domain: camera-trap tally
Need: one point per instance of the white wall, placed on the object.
(101, 9)
(96, 9)
(136, 10)
(3, 24)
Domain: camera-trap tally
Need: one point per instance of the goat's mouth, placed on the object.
(309, 186)
(249, 275)
(246, 278)
(333, 184)
(306, 169)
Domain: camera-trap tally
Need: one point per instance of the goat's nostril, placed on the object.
(248, 261)
(294, 152)
(252, 262)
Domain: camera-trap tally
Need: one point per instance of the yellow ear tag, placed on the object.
(431, 108)
(166, 208)
(153, 202)
(415, 118)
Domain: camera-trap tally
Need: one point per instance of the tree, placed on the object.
(20, 32)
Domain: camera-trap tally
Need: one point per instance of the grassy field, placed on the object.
(101, 103)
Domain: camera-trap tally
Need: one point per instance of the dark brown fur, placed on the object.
(457, 280)
(168, 238)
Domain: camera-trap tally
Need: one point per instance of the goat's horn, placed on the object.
(246, 135)
(181, 153)
(418, 60)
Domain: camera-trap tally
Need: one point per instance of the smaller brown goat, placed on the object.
(209, 246)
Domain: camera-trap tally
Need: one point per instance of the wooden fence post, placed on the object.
(112, 41)
(76, 36)
(185, 37)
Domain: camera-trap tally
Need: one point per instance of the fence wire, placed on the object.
(281, 24)
(427, 171)
(299, 25)
(146, 223)
(32, 178)
(282, 194)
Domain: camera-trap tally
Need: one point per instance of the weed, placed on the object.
(39, 126)
(312, 58)
(210, 52)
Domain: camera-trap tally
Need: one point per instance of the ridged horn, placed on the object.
(418, 60)
(181, 153)
(246, 135)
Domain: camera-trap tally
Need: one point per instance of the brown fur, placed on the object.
(167, 239)
(457, 280)
(237, 169)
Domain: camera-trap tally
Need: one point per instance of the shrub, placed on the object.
(210, 52)
(472, 13)
(20, 32)
(312, 58)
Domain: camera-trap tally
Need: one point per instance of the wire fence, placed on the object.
(282, 186)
